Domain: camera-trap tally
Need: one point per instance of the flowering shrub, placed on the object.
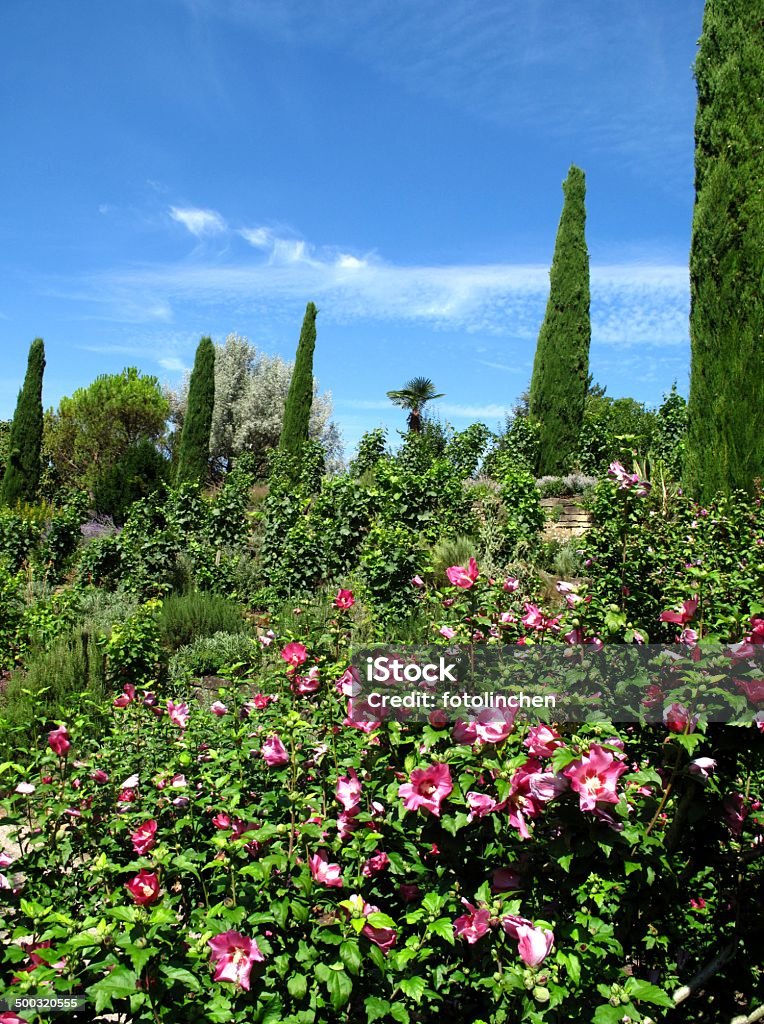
(271, 859)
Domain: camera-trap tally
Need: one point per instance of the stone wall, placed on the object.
(565, 518)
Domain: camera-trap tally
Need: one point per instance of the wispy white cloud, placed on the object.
(489, 411)
(501, 366)
(200, 223)
(632, 304)
(172, 364)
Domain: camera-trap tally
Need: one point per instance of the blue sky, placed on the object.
(173, 168)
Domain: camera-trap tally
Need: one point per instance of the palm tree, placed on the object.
(413, 396)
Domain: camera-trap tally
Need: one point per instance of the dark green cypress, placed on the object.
(561, 365)
(22, 475)
(194, 450)
(725, 447)
(294, 432)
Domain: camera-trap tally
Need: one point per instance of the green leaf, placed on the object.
(572, 965)
(414, 988)
(272, 1010)
(444, 928)
(433, 902)
(280, 910)
(126, 913)
(339, 987)
(118, 984)
(181, 975)
(139, 955)
(379, 920)
(376, 1009)
(562, 757)
(648, 992)
(607, 1014)
(350, 954)
(399, 1012)
(297, 986)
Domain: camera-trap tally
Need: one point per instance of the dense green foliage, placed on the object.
(96, 427)
(135, 475)
(726, 407)
(194, 449)
(561, 363)
(23, 468)
(296, 428)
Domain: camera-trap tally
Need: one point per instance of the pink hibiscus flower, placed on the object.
(58, 740)
(533, 944)
(474, 924)
(594, 777)
(144, 887)
(480, 804)
(144, 836)
(542, 740)
(324, 872)
(461, 576)
(348, 791)
(428, 788)
(344, 600)
(233, 955)
(178, 713)
(684, 615)
(274, 752)
(294, 654)
(377, 863)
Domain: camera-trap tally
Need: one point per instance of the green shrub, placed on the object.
(134, 649)
(450, 551)
(135, 475)
(208, 655)
(185, 617)
(52, 683)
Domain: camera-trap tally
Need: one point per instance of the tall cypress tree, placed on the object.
(194, 451)
(561, 365)
(22, 474)
(294, 431)
(726, 407)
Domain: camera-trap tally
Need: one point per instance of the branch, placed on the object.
(705, 973)
(751, 1018)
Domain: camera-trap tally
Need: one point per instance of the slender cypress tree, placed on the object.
(194, 451)
(22, 474)
(725, 447)
(561, 365)
(294, 432)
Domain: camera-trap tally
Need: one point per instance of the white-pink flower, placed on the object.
(178, 713)
(324, 872)
(533, 944)
(233, 955)
(274, 752)
(348, 791)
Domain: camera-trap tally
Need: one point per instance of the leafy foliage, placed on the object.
(94, 428)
